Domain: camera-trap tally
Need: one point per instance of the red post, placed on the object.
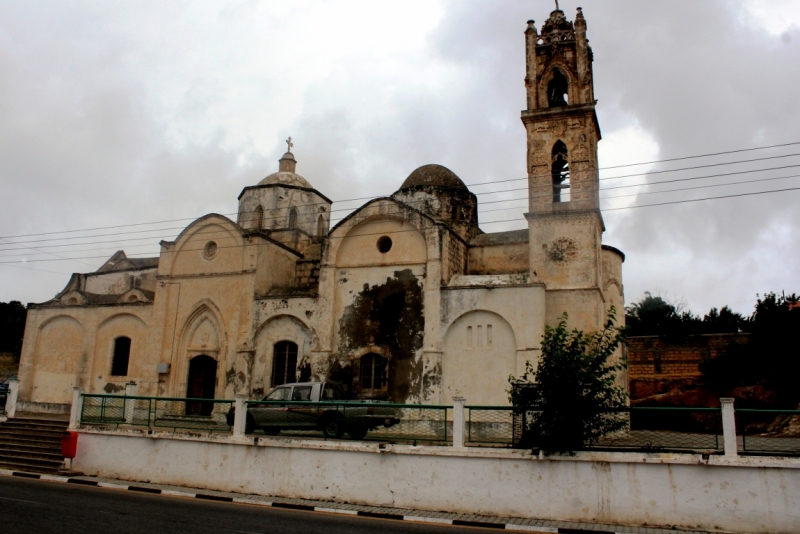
(69, 444)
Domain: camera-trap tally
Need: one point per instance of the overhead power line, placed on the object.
(706, 155)
(488, 222)
(707, 198)
(710, 154)
(512, 190)
(128, 240)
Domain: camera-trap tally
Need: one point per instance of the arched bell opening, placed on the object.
(560, 172)
(557, 90)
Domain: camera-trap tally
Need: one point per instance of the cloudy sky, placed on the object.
(126, 113)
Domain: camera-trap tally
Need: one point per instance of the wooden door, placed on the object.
(202, 383)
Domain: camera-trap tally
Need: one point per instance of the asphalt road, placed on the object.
(37, 506)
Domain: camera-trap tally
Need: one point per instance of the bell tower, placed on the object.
(560, 120)
(562, 131)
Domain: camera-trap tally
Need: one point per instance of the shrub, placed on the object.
(576, 389)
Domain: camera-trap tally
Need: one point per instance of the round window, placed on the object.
(385, 244)
(210, 250)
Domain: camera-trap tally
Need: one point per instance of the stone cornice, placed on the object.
(287, 186)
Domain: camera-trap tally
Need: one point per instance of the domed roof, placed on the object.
(285, 178)
(286, 174)
(433, 175)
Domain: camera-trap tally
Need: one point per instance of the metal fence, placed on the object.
(666, 429)
(490, 425)
(768, 431)
(353, 420)
(156, 412)
(643, 428)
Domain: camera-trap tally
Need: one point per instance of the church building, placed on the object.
(405, 299)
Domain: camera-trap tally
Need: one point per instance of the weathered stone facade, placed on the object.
(405, 299)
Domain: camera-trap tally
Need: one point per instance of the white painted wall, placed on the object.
(741, 495)
(480, 351)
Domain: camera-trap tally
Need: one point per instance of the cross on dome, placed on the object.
(289, 144)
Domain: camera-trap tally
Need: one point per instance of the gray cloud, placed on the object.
(136, 113)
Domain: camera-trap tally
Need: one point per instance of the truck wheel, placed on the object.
(249, 425)
(333, 425)
(357, 431)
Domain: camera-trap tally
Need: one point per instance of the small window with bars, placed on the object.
(284, 363)
(373, 373)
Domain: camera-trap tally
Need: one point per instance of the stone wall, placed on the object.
(307, 273)
(657, 365)
(681, 490)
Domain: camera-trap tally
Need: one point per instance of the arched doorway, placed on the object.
(480, 352)
(202, 382)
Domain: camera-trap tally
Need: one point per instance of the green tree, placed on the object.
(772, 355)
(724, 321)
(652, 316)
(12, 327)
(576, 389)
(655, 316)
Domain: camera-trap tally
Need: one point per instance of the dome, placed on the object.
(433, 175)
(285, 178)
(286, 174)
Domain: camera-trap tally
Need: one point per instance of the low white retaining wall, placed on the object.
(733, 494)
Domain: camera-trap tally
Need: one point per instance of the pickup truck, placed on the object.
(307, 408)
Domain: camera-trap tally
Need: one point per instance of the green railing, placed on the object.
(490, 424)
(643, 428)
(665, 429)
(156, 412)
(353, 420)
(768, 431)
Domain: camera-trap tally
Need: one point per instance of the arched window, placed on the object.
(321, 230)
(258, 217)
(373, 373)
(122, 354)
(293, 218)
(560, 172)
(284, 363)
(557, 89)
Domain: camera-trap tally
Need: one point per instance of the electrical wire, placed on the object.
(488, 183)
(488, 222)
(161, 230)
(127, 241)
